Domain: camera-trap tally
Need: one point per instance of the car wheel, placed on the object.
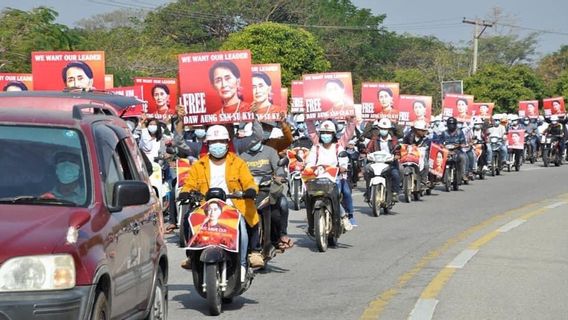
(159, 305)
(101, 309)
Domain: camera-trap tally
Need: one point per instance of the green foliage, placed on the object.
(560, 85)
(508, 50)
(295, 49)
(553, 65)
(505, 86)
(416, 81)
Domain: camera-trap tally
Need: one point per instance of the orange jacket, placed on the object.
(238, 178)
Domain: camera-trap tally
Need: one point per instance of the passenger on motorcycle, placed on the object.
(418, 137)
(533, 135)
(220, 168)
(382, 139)
(454, 135)
(468, 150)
(498, 130)
(325, 151)
(479, 134)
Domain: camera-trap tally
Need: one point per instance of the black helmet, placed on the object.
(452, 124)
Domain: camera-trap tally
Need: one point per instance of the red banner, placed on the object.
(297, 97)
(528, 108)
(134, 91)
(484, 110)
(553, 106)
(284, 98)
(324, 171)
(56, 70)
(16, 81)
(266, 92)
(328, 95)
(516, 139)
(214, 224)
(459, 106)
(161, 96)
(183, 166)
(413, 108)
(294, 164)
(109, 81)
(437, 159)
(216, 87)
(380, 100)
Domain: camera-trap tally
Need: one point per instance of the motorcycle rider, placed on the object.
(467, 131)
(382, 139)
(454, 135)
(220, 168)
(479, 135)
(556, 130)
(498, 130)
(418, 137)
(325, 151)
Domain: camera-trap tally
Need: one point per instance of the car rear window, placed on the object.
(42, 165)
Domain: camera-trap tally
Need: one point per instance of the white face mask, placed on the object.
(152, 128)
(67, 172)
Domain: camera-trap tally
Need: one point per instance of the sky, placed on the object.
(439, 18)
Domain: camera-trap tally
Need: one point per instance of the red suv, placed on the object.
(81, 231)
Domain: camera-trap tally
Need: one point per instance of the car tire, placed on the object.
(159, 302)
(101, 308)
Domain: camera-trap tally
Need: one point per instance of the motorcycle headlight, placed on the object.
(37, 273)
(494, 139)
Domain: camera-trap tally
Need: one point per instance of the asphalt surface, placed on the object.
(393, 266)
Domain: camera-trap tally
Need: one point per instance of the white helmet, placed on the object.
(327, 126)
(553, 117)
(420, 125)
(477, 120)
(385, 123)
(514, 117)
(299, 117)
(217, 132)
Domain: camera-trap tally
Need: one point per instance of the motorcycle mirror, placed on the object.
(283, 162)
(171, 150)
(298, 158)
(343, 154)
(184, 196)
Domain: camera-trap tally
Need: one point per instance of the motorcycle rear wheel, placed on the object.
(214, 293)
(545, 157)
(407, 187)
(376, 191)
(320, 229)
(456, 180)
(296, 195)
(447, 181)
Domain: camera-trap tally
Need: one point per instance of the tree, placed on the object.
(508, 49)
(553, 65)
(296, 50)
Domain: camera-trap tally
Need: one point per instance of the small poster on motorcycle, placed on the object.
(412, 154)
(109, 81)
(133, 91)
(380, 100)
(284, 98)
(160, 95)
(437, 159)
(182, 165)
(16, 82)
(216, 87)
(328, 95)
(57, 70)
(529, 109)
(266, 92)
(322, 171)
(483, 110)
(553, 106)
(214, 224)
(294, 156)
(516, 139)
(297, 93)
(459, 106)
(413, 108)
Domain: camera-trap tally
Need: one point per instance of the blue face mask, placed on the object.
(218, 150)
(383, 132)
(256, 147)
(326, 137)
(266, 135)
(200, 133)
(301, 127)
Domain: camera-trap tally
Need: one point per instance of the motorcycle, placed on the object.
(496, 161)
(529, 152)
(412, 164)
(160, 182)
(515, 159)
(380, 189)
(183, 166)
(354, 165)
(451, 178)
(296, 188)
(479, 155)
(213, 248)
(323, 201)
(551, 150)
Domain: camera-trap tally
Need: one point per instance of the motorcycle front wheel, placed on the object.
(407, 188)
(214, 293)
(456, 180)
(447, 180)
(321, 228)
(296, 195)
(376, 192)
(545, 157)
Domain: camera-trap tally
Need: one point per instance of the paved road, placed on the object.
(395, 265)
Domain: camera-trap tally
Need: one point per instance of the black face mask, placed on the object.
(452, 127)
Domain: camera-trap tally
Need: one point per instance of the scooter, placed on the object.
(214, 248)
(515, 159)
(496, 161)
(296, 187)
(551, 150)
(451, 179)
(160, 183)
(380, 189)
(479, 155)
(530, 153)
(354, 168)
(412, 164)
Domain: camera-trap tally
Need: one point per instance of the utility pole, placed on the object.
(476, 36)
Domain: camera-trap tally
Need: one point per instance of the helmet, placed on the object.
(554, 118)
(385, 123)
(217, 132)
(299, 117)
(327, 126)
(514, 117)
(420, 125)
(452, 124)
(477, 120)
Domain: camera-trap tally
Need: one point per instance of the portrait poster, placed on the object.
(160, 95)
(16, 82)
(297, 95)
(459, 106)
(413, 108)
(483, 110)
(328, 96)
(132, 91)
(284, 98)
(214, 224)
(294, 164)
(109, 81)
(57, 70)
(529, 108)
(321, 171)
(380, 100)
(437, 159)
(553, 106)
(516, 139)
(216, 87)
(183, 166)
(266, 92)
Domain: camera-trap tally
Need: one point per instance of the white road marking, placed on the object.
(532, 168)
(462, 258)
(423, 309)
(555, 205)
(511, 225)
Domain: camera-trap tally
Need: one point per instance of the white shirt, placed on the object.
(325, 157)
(217, 173)
(149, 145)
(499, 131)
